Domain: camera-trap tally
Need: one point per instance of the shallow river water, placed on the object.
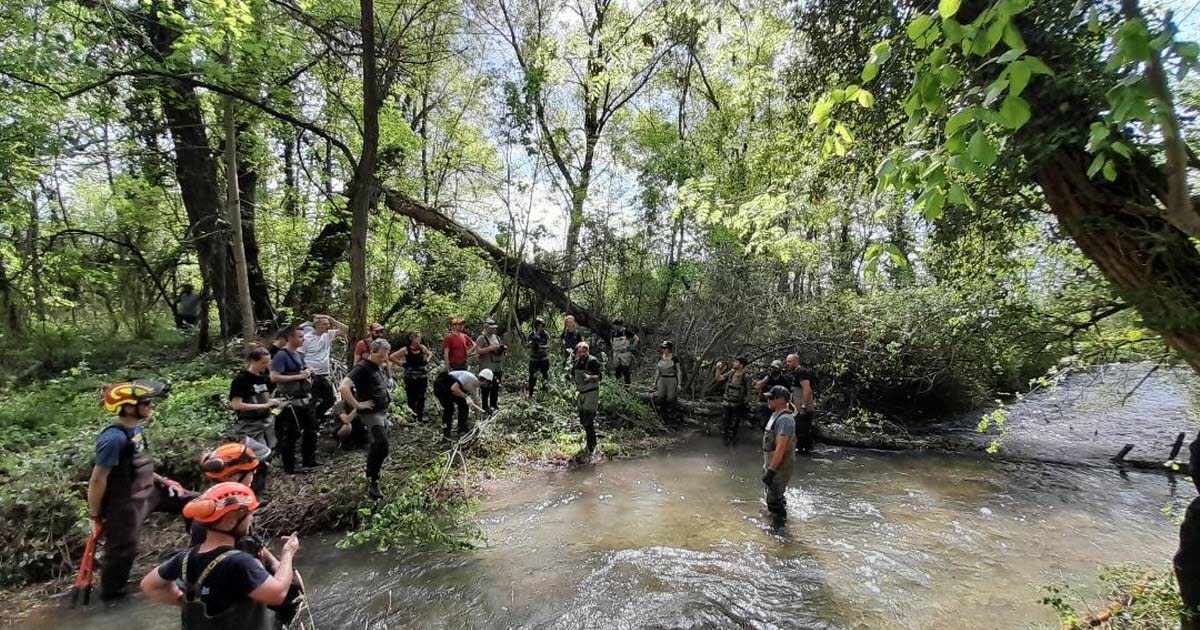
(678, 539)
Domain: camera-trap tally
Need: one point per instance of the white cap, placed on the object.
(486, 374)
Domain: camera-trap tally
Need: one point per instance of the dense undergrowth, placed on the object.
(1129, 598)
(48, 427)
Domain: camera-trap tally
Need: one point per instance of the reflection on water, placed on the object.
(679, 540)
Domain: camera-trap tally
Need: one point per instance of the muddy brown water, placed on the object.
(678, 539)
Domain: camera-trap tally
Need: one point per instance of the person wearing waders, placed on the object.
(124, 488)
(586, 371)
(490, 350)
(238, 462)
(459, 390)
(539, 354)
(800, 380)
(667, 376)
(293, 382)
(216, 586)
(779, 456)
(365, 390)
(623, 343)
(414, 359)
(1187, 558)
(733, 399)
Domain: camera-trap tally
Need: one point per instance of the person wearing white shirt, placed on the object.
(316, 348)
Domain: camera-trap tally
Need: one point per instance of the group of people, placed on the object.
(227, 578)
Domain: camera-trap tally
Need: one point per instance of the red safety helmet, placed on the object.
(219, 501)
(228, 460)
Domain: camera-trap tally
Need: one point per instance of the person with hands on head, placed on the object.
(459, 390)
(293, 381)
(779, 455)
(733, 403)
(365, 392)
(317, 347)
(123, 488)
(216, 585)
(413, 358)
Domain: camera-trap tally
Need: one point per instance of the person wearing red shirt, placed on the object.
(456, 346)
(362, 348)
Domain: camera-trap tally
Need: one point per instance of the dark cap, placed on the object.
(538, 321)
(667, 344)
(743, 360)
(779, 391)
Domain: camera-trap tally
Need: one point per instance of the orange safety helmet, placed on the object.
(118, 395)
(219, 501)
(227, 460)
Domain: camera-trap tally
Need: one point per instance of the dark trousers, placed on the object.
(377, 451)
(323, 395)
(296, 421)
(491, 395)
(623, 373)
(122, 524)
(535, 366)
(185, 321)
(731, 417)
(450, 403)
(458, 367)
(414, 390)
(587, 417)
(804, 432)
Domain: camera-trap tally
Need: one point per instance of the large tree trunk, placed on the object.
(362, 193)
(260, 291)
(196, 172)
(1150, 263)
(310, 288)
(537, 280)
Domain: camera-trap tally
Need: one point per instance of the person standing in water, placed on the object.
(668, 374)
(737, 389)
(779, 455)
(586, 371)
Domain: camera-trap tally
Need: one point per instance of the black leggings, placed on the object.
(491, 395)
(804, 432)
(535, 366)
(377, 452)
(623, 373)
(441, 390)
(731, 417)
(414, 390)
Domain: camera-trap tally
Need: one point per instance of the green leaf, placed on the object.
(1097, 164)
(1134, 335)
(959, 120)
(1010, 56)
(1018, 77)
(1121, 149)
(994, 91)
(842, 131)
(958, 196)
(869, 72)
(865, 99)
(1110, 170)
(948, 8)
(1098, 133)
(821, 111)
(934, 205)
(1012, 37)
(981, 149)
(918, 26)
(953, 30)
(1037, 66)
(1015, 112)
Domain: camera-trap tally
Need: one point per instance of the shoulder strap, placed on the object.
(191, 588)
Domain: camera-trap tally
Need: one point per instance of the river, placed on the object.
(678, 539)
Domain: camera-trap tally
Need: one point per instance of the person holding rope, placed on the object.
(459, 390)
(215, 585)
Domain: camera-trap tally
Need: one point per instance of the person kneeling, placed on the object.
(214, 584)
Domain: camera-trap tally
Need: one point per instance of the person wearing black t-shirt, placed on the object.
(250, 398)
(539, 358)
(571, 337)
(365, 389)
(800, 381)
(222, 586)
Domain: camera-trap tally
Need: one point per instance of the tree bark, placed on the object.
(310, 287)
(1151, 264)
(537, 280)
(260, 290)
(362, 193)
(233, 208)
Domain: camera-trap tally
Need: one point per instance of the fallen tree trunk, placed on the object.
(537, 280)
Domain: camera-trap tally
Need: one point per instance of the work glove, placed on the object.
(366, 405)
(768, 477)
(174, 488)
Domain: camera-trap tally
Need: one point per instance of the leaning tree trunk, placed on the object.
(363, 187)
(1150, 263)
(233, 207)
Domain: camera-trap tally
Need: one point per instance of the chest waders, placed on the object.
(587, 399)
(622, 348)
(776, 499)
(128, 498)
(733, 407)
(666, 389)
(193, 614)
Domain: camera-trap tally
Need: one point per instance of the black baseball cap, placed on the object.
(779, 391)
